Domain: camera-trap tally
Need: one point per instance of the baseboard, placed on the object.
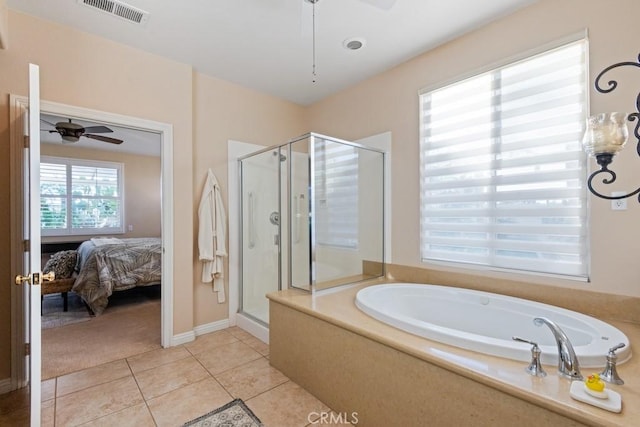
(189, 336)
(211, 327)
(183, 338)
(5, 386)
(254, 328)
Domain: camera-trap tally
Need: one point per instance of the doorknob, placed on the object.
(35, 278)
(20, 279)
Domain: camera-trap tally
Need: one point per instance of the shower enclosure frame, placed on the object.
(311, 218)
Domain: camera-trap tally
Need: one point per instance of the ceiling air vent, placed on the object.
(119, 9)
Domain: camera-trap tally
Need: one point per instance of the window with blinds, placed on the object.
(502, 167)
(336, 194)
(80, 197)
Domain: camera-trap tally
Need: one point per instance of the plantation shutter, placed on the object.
(95, 198)
(336, 195)
(502, 167)
(80, 196)
(53, 196)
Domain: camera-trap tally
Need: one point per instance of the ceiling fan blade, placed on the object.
(103, 138)
(382, 4)
(50, 124)
(97, 129)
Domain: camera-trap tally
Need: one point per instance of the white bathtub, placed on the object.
(485, 322)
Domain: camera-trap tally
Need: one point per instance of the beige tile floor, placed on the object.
(168, 387)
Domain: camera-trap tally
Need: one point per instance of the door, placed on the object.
(31, 276)
(260, 254)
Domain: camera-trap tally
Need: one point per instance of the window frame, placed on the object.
(69, 230)
(504, 64)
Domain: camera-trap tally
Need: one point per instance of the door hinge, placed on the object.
(26, 141)
(27, 349)
(26, 245)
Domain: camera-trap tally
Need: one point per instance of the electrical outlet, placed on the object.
(619, 204)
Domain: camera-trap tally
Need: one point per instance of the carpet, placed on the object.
(233, 414)
(53, 315)
(129, 326)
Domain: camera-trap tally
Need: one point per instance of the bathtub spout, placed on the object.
(568, 365)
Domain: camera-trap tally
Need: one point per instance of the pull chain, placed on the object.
(313, 5)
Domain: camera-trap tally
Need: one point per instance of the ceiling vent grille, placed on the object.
(119, 9)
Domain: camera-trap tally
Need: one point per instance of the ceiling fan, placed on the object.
(71, 132)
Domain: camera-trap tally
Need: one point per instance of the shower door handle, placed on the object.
(252, 220)
(297, 216)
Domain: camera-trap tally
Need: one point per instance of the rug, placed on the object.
(53, 315)
(233, 414)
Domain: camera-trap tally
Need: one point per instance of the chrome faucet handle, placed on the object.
(613, 349)
(535, 367)
(610, 373)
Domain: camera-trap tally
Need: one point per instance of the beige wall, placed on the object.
(4, 25)
(142, 188)
(389, 101)
(224, 111)
(93, 76)
(204, 112)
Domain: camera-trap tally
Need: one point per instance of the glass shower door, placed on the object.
(261, 236)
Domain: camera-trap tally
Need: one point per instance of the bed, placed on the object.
(107, 265)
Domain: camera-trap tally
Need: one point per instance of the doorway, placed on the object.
(164, 131)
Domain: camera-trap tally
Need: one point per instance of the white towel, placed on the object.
(212, 242)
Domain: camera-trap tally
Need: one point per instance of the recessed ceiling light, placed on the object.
(354, 43)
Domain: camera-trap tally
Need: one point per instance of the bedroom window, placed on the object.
(81, 197)
(336, 184)
(502, 171)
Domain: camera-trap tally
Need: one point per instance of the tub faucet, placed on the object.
(568, 365)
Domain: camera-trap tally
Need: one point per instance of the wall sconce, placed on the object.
(607, 134)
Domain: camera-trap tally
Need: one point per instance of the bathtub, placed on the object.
(486, 322)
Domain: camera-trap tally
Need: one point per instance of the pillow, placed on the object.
(62, 264)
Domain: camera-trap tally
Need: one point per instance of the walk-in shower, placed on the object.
(312, 217)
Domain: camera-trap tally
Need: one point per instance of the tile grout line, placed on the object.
(107, 382)
(93, 385)
(161, 364)
(55, 401)
(272, 388)
(213, 377)
(144, 399)
(171, 391)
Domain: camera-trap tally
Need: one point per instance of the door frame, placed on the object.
(17, 111)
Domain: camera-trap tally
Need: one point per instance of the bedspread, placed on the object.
(109, 265)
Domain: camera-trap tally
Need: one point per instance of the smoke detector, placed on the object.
(119, 9)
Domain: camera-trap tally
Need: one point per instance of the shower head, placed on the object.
(282, 156)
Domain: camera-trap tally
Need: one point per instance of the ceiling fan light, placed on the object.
(69, 138)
